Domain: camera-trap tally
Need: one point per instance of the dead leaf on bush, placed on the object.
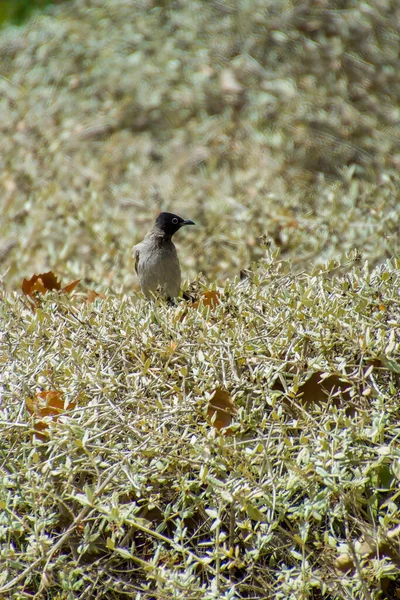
(370, 547)
(319, 388)
(92, 296)
(71, 286)
(209, 298)
(221, 405)
(46, 404)
(44, 282)
(40, 283)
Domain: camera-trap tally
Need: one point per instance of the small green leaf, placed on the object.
(110, 544)
(255, 514)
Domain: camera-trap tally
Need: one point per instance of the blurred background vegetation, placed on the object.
(16, 11)
(252, 118)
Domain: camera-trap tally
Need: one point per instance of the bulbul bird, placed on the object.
(156, 260)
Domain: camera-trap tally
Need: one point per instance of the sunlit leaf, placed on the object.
(254, 513)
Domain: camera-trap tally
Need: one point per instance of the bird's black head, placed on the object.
(169, 223)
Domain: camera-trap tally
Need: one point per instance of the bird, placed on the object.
(156, 259)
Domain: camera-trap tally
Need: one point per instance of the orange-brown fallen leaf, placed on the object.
(319, 388)
(46, 404)
(221, 405)
(209, 298)
(45, 282)
(40, 283)
(71, 286)
(92, 296)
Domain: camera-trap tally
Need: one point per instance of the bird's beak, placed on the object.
(187, 222)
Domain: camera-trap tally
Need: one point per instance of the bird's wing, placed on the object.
(136, 255)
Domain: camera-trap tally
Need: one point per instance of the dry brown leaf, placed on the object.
(46, 404)
(209, 298)
(71, 286)
(221, 405)
(370, 547)
(292, 223)
(42, 283)
(92, 296)
(318, 389)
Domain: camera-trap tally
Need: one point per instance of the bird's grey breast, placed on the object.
(157, 265)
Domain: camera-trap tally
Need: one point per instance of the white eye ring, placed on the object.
(175, 221)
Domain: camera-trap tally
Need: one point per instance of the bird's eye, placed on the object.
(175, 221)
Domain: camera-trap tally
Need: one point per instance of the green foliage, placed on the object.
(17, 11)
